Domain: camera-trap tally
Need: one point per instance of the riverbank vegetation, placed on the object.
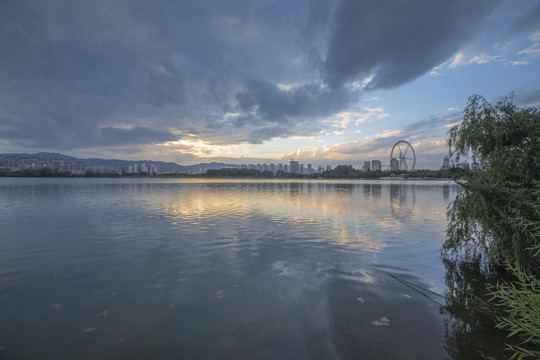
(48, 172)
(339, 172)
(495, 217)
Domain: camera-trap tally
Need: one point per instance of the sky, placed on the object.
(325, 82)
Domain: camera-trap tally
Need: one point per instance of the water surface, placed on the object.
(168, 269)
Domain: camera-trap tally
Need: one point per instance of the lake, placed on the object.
(233, 269)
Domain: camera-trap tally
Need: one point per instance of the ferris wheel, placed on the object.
(404, 153)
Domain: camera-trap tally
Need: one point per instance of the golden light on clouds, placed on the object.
(287, 87)
(388, 133)
(203, 149)
(347, 152)
(345, 118)
(431, 147)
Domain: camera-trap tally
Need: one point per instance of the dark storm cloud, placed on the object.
(77, 74)
(396, 41)
(72, 67)
(529, 20)
(136, 135)
(261, 134)
(166, 85)
(273, 112)
(273, 103)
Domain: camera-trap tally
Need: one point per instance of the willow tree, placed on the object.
(496, 156)
(496, 214)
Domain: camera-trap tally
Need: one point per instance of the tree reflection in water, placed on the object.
(470, 328)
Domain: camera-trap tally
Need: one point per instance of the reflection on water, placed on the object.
(127, 269)
(471, 325)
(403, 201)
(446, 191)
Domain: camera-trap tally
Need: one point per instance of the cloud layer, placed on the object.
(88, 74)
(393, 42)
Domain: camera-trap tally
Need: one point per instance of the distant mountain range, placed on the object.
(119, 164)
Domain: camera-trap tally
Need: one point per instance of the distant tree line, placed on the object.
(339, 172)
(238, 173)
(48, 172)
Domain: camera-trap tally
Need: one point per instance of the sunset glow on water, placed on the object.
(224, 269)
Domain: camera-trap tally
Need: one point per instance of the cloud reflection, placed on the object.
(352, 214)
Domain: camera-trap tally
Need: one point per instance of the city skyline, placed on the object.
(61, 163)
(325, 82)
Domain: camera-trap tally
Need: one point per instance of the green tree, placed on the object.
(496, 157)
(519, 303)
(496, 213)
(342, 171)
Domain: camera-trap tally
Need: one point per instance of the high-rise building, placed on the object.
(58, 164)
(394, 164)
(376, 165)
(286, 168)
(102, 169)
(309, 169)
(367, 166)
(68, 165)
(446, 162)
(280, 167)
(294, 167)
(12, 161)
